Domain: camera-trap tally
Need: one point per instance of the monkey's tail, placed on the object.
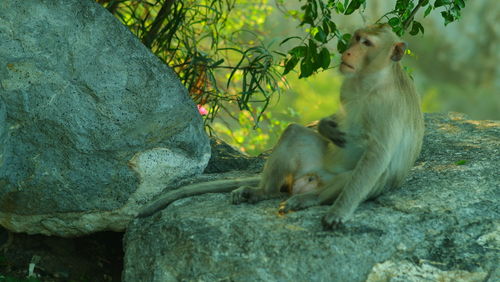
(217, 186)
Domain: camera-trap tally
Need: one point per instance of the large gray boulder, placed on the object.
(442, 225)
(92, 124)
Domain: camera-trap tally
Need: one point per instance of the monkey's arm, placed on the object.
(218, 186)
(368, 177)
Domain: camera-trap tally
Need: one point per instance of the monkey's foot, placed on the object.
(299, 202)
(245, 194)
(336, 216)
(331, 222)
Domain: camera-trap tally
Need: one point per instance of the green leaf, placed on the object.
(461, 162)
(440, 3)
(353, 6)
(455, 12)
(401, 5)
(291, 37)
(294, 14)
(306, 67)
(341, 46)
(308, 15)
(320, 35)
(421, 27)
(427, 11)
(346, 37)
(416, 27)
(234, 70)
(313, 31)
(448, 18)
(317, 62)
(279, 53)
(321, 6)
(299, 51)
(326, 28)
(414, 30)
(339, 7)
(460, 3)
(343, 42)
(399, 31)
(290, 64)
(217, 63)
(394, 21)
(324, 57)
(333, 27)
(314, 9)
(312, 48)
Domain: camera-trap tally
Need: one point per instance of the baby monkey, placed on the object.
(306, 183)
(294, 167)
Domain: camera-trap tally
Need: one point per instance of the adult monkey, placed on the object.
(380, 121)
(377, 134)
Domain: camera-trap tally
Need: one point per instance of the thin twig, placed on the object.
(412, 15)
(221, 67)
(385, 15)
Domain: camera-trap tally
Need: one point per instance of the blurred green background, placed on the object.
(455, 68)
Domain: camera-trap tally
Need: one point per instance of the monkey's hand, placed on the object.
(329, 129)
(300, 202)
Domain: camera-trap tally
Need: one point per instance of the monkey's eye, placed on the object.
(358, 38)
(367, 42)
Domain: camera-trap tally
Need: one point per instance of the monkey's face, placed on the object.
(351, 59)
(360, 53)
(306, 183)
(371, 50)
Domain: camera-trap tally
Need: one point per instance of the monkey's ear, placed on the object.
(398, 51)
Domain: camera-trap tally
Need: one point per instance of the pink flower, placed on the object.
(202, 110)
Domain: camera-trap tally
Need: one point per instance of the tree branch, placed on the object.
(412, 15)
(219, 67)
(157, 23)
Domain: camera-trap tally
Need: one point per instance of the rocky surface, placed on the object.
(99, 256)
(92, 125)
(225, 158)
(443, 224)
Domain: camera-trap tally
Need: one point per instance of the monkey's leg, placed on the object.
(347, 202)
(333, 188)
(341, 210)
(273, 178)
